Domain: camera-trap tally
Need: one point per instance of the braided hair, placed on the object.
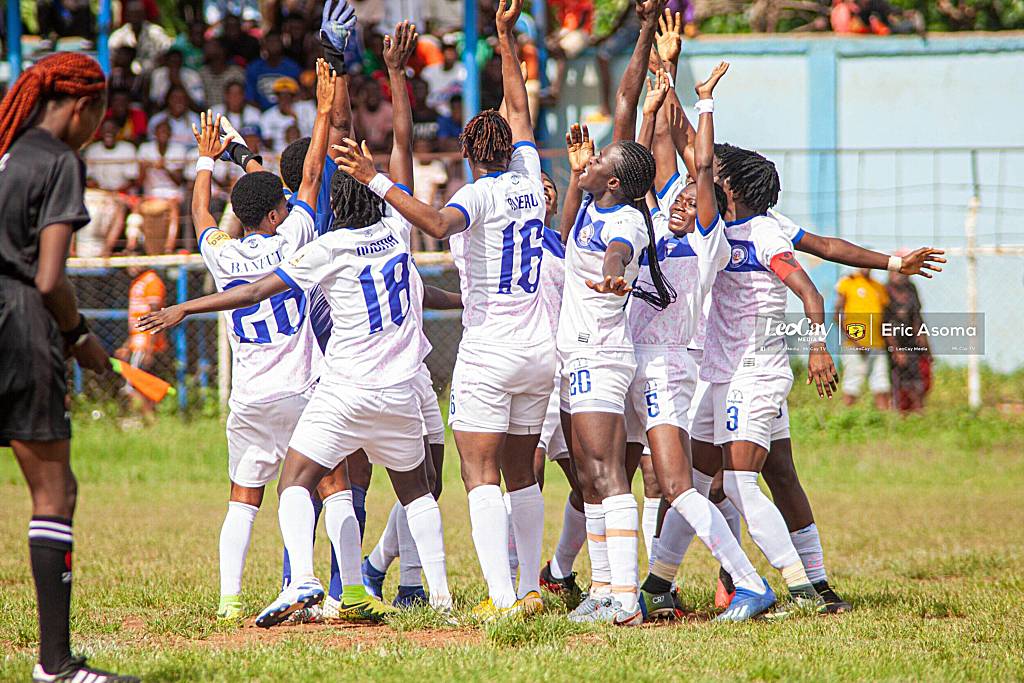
(635, 170)
(487, 139)
(59, 76)
(752, 178)
(354, 205)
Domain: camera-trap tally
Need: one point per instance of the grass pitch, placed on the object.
(922, 521)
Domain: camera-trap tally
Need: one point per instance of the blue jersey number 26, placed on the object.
(530, 238)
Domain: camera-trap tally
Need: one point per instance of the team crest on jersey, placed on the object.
(585, 234)
(739, 255)
(735, 396)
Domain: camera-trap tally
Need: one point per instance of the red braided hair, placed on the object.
(68, 74)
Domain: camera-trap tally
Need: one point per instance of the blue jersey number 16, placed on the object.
(531, 237)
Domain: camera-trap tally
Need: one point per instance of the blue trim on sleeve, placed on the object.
(202, 235)
(524, 143)
(461, 208)
(552, 241)
(798, 236)
(307, 208)
(624, 241)
(663, 191)
(707, 231)
(287, 279)
(403, 188)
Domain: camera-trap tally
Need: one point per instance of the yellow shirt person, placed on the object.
(861, 301)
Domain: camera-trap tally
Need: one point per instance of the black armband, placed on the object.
(241, 155)
(335, 59)
(78, 333)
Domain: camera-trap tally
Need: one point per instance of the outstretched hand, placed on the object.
(158, 321)
(617, 286)
(821, 371)
(670, 35)
(337, 23)
(579, 146)
(208, 135)
(921, 260)
(657, 90)
(649, 10)
(507, 15)
(355, 160)
(400, 46)
(325, 78)
(706, 89)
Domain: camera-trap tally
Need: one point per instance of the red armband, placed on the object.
(784, 265)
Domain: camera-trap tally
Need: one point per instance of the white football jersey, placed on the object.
(273, 349)
(552, 277)
(367, 276)
(744, 296)
(499, 253)
(690, 263)
(590, 319)
(668, 194)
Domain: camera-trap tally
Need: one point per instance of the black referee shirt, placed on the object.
(42, 182)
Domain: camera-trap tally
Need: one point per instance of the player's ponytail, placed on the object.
(65, 74)
(635, 171)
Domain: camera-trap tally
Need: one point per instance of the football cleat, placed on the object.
(410, 597)
(660, 606)
(230, 608)
(76, 671)
(531, 603)
(486, 611)
(833, 603)
(373, 579)
(294, 597)
(331, 608)
(747, 604)
(369, 608)
(588, 605)
(724, 590)
(611, 611)
(565, 587)
(307, 615)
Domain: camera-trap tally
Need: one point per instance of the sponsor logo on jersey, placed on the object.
(735, 396)
(583, 337)
(218, 238)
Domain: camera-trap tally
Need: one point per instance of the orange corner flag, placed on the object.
(150, 386)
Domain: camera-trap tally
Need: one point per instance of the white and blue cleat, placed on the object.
(373, 579)
(293, 598)
(747, 604)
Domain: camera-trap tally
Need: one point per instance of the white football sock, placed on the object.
(528, 524)
(388, 547)
(295, 515)
(702, 482)
(489, 521)
(343, 530)
(234, 545)
(764, 521)
(710, 527)
(676, 535)
(570, 541)
(732, 517)
(597, 548)
(649, 524)
(409, 557)
(621, 522)
(424, 521)
(808, 545)
(513, 555)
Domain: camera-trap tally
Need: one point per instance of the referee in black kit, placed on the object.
(51, 111)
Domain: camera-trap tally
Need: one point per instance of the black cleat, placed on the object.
(660, 606)
(565, 587)
(833, 603)
(76, 671)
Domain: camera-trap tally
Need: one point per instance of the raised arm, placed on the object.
(837, 250)
(337, 24)
(580, 149)
(628, 95)
(707, 204)
(358, 163)
(397, 50)
(313, 164)
(821, 370)
(657, 89)
(210, 147)
(228, 300)
(517, 108)
(669, 45)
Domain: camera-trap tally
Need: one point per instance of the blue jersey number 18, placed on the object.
(396, 284)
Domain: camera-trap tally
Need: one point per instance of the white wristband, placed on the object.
(204, 164)
(895, 264)
(380, 184)
(705, 107)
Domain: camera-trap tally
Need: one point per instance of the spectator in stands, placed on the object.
(620, 41)
(373, 117)
(424, 117)
(445, 79)
(146, 294)
(449, 127)
(175, 73)
(161, 174)
(178, 116)
(288, 112)
(125, 74)
(910, 352)
(191, 44)
(129, 118)
(217, 11)
(860, 303)
(240, 47)
(571, 23)
(148, 39)
(873, 16)
(217, 72)
(261, 75)
(240, 113)
(64, 18)
(111, 174)
(293, 37)
(491, 83)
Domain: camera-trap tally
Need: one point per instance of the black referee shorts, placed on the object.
(33, 376)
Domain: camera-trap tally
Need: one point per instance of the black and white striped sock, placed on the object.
(50, 543)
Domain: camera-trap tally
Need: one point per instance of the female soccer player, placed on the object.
(502, 378)
(50, 112)
(603, 245)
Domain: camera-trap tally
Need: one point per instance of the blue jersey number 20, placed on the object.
(531, 237)
(396, 284)
(282, 316)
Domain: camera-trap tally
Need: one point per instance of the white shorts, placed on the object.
(596, 382)
(433, 423)
(341, 418)
(742, 409)
(874, 365)
(552, 439)
(660, 393)
(258, 436)
(501, 388)
(780, 423)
